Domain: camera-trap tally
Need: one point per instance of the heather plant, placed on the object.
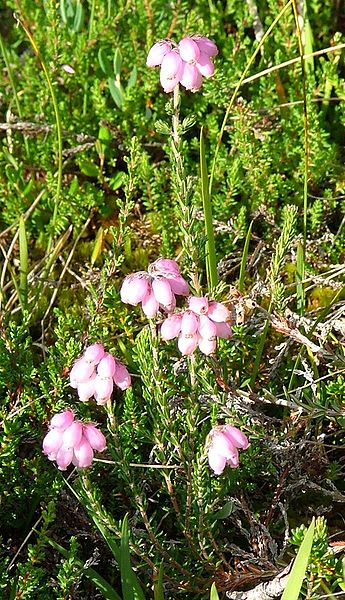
(171, 299)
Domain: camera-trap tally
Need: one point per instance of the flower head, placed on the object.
(198, 326)
(223, 444)
(155, 288)
(185, 63)
(71, 441)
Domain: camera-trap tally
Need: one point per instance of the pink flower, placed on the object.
(94, 353)
(223, 443)
(186, 63)
(72, 441)
(171, 327)
(162, 282)
(157, 53)
(81, 371)
(121, 376)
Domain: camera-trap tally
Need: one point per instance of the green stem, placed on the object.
(211, 260)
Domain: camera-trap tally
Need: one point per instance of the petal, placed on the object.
(179, 286)
(205, 45)
(86, 389)
(169, 84)
(164, 266)
(207, 328)
(221, 444)
(172, 66)
(95, 437)
(171, 327)
(103, 389)
(157, 53)
(218, 312)
(83, 454)
(216, 461)
(122, 377)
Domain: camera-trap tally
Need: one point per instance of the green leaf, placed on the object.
(300, 565)
(78, 17)
(117, 62)
(214, 593)
(244, 259)
(23, 261)
(211, 261)
(105, 63)
(162, 127)
(97, 249)
(225, 511)
(116, 92)
(132, 78)
(158, 590)
(131, 588)
(89, 168)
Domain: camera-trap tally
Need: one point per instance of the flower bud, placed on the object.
(171, 327)
(157, 53)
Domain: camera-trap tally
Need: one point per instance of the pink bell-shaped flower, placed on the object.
(72, 435)
(223, 330)
(204, 65)
(189, 50)
(216, 461)
(52, 443)
(62, 420)
(187, 343)
(121, 376)
(189, 323)
(235, 436)
(207, 346)
(207, 328)
(86, 389)
(107, 366)
(81, 371)
(162, 291)
(198, 305)
(218, 312)
(191, 77)
(171, 327)
(179, 286)
(150, 305)
(94, 353)
(172, 65)
(82, 454)
(164, 266)
(94, 436)
(223, 442)
(103, 389)
(157, 53)
(64, 457)
(135, 288)
(205, 45)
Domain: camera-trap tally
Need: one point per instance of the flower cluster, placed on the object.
(199, 325)
(70, 441)
(155, 288)
(223, 444)
(186, 63)
(96, 372)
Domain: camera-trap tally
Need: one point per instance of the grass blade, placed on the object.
(131, 588)
(300, 271)
(300, 565)
(214, 593)
(158, 590)
(211, 261)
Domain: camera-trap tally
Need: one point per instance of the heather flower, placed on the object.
(155, 289)
(198, 326)
(186, 63)
(96, 372)
(71, 441)
(223, 443)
